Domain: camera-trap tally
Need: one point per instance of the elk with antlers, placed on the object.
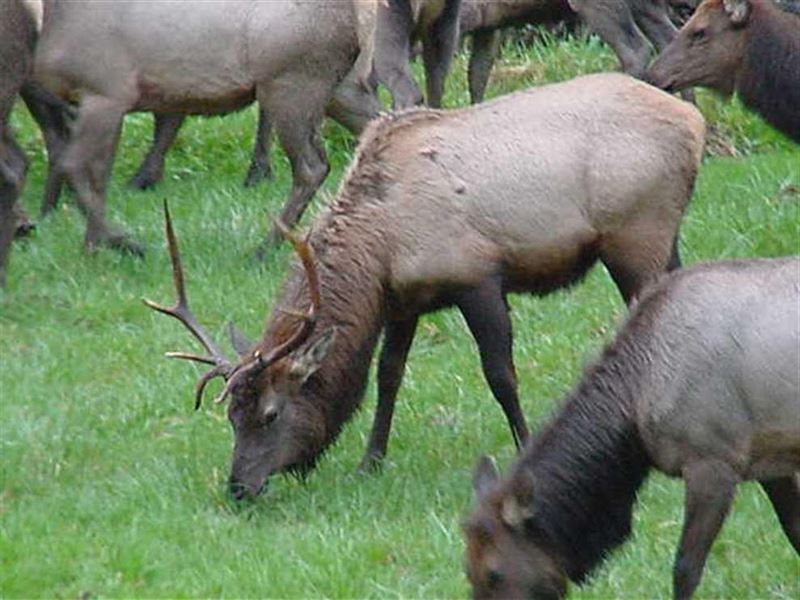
(456, 208)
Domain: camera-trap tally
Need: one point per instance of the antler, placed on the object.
(222, 366)
(259, 361)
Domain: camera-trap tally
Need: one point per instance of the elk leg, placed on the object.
(486, 312)
(53, 116)
(710, 487)
(87, 164)
(165, 130)
(394, 25)
(613, 21)
(653, 19)
(298, 126)
(391, 366)
(260, 168)
(784, 493)
(485, 45)
(438, 49)
(13, 166)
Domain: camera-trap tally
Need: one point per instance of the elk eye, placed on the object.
(493, 578)
(699, 34)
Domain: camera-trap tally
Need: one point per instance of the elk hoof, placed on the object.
(120, 242)
(257, 174)
(144, 180)
(24, 229)
(371, 463)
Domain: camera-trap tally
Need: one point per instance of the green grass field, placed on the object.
(113, 487)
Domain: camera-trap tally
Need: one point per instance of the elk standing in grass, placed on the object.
(459, 208)
(702, 383)
(748, 46)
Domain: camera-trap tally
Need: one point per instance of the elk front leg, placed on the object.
(485, 46)
(165, 130)
(784, 493)
(486, 312)
(438, 48)
(710, 487)
(398, 336)
(13, 167)
(259, 164)
(87, 164)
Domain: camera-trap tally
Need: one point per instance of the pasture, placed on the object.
(113, 487)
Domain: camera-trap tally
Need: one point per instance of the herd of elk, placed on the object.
(459, 208)
(702, 383)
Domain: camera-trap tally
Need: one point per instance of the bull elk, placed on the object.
(457, 208)
(751, 47)
(701, 383)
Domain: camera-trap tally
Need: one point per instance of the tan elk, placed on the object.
(702, 383)
(193, 57)
(456, 208)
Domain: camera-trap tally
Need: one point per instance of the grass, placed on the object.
(113, 487)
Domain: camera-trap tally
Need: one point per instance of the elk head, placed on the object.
(274, 429)
(708, 51)
(506, 556)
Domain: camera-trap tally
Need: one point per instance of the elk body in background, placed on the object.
(751, 47)
(193, 58)
(628, 26)
(701, 383)
(457, 208)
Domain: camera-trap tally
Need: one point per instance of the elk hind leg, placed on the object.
(486, 313)
(298, 126)
(87, 163)
(438, 49)
(485, 47)
(710, 487)
(398, 336)
(784, 493)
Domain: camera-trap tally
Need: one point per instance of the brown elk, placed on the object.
(701, 383)
(458, 208)
(748, 46)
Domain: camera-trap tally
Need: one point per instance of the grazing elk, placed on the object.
(456, 208)
(748, 46)
(193, 58)
(703, 383)
(628, 26)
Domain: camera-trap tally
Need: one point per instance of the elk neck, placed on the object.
(589, 464)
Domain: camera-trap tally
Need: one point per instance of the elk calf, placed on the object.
(748, 46)
(701, 383)
(458, 208)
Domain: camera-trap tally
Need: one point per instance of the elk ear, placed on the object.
(240, 343)
(738, 11)
(484, 476)
(305, 362)
(517, 506)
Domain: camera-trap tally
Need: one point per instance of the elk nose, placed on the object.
(238, 490)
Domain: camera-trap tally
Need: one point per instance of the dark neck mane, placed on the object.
(588, 466)
(769, 81)
(351, 282)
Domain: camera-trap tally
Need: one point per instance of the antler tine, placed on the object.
(181, 310)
